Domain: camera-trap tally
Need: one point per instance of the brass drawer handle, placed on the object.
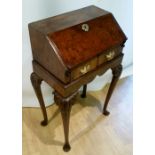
(110, 55)
(85, 69)
(85, 27)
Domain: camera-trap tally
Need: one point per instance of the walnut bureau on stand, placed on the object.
(69, 51)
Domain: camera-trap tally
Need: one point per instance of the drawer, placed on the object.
(109, 55)
(83, 69)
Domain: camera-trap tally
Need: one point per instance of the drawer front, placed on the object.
(109, 55)
(83, 69)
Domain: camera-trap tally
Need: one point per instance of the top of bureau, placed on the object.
(68, 19)
(71, 43)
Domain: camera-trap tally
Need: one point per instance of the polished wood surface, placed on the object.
(36, 83)
(70, 57)
(68, 19)
(84, 92)
(65, 105)
(103, 56)
(61, 46)
(90, 132)
(45, 55)
(104, 33)
(86, 67)
(116, 71)
(65, 102)
(67, 89)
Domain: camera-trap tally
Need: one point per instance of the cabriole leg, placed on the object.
(83, 95)
(65, 105)
(36, 83)
(116, 71)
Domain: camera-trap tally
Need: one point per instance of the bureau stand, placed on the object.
(69, 51)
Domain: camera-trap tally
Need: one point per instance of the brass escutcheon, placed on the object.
(85, 27)
(85, 69)
(110, 55)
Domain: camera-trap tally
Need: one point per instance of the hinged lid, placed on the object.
(80, 35)
(84, 41)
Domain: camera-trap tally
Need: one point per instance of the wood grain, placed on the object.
(61, 46)
(75, 45)
(68, 89)
(67, 19)
(67, 57)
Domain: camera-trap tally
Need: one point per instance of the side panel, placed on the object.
(46, 56)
